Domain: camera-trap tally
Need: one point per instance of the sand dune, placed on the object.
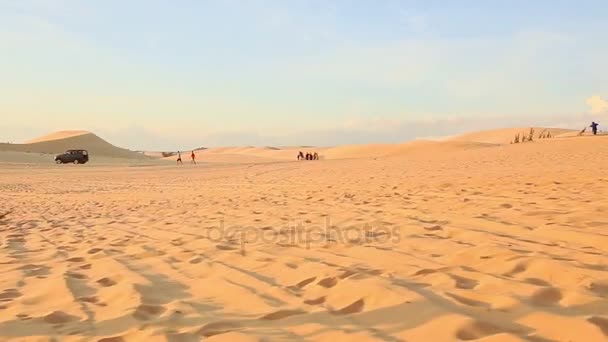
(455, 241)
(57, 136)
(473, 140)
(59, 142)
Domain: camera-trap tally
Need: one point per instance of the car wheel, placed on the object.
(58, 161)
(76, 161)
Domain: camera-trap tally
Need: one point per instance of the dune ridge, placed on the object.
(467, 141)
(58, 136)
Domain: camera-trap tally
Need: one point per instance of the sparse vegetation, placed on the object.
(516, 140)
(523, 137)
(582, 131)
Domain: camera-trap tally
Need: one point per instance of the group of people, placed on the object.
(301, 156)
(309, 156)
(192, 158)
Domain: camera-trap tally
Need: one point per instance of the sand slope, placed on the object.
(59, 142)
(57, 136)
(498, 243)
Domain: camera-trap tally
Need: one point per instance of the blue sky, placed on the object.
(175, 74)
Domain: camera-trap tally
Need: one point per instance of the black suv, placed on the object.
(73, 156)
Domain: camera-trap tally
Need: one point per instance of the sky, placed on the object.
(164, 75)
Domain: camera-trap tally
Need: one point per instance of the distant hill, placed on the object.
(59, 142)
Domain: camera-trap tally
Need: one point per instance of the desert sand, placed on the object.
(469, 238)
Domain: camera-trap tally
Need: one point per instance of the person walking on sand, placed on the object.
(193, 157)
(179, 158)
(594, 127)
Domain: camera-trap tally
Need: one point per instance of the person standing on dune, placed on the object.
(594, 127)
(179, 158)
(193, 157)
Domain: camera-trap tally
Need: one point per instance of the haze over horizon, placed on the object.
(161, 75)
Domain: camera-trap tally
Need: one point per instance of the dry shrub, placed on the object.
(582, 131)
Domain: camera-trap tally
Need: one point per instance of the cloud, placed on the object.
(597, 105)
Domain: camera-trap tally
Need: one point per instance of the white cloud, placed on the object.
(597, 105)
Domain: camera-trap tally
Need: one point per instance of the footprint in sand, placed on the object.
(59, 317)
(477, 330)
(196, 260)
(464, 283)
(303, 283)
(112, 339)
(9, 294)
(317, 301)
(519, 268)
(79, 276)
(217, 328)
(353, 308)
(76, 259)
(425, 272)
(106, 282)
(433, 228)
(146, 312)
(95, 250)
(90, 300)
(24, 317)
(225, 248)
(347, 274)
(328, 282)
(177, 242)
(547, 297)
(275, 316)
(537, 282)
